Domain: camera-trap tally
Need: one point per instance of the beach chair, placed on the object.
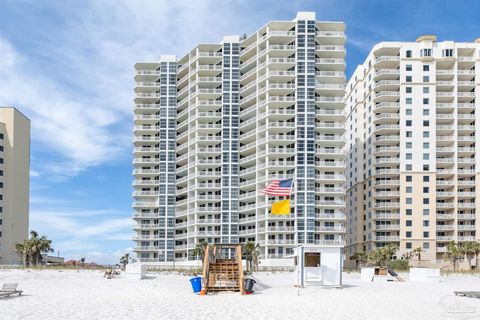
(469, 294)
(9, 289)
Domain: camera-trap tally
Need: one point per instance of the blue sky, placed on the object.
(68, 65)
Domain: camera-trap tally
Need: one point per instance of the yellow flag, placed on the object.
(281, 207)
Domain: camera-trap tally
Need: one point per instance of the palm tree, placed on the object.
(468, 249)
(418, 252)
(381, 256)
(199, 250)
(82, 261)
(31, 249)
(407, 256)
(453, 253)
(23, 249)
(360, 258)
(250, 250)
(476, 252)
(389, 250)
(376, 258)
(124, 260)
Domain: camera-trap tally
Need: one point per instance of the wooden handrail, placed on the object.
(206, 265)
(238, 253)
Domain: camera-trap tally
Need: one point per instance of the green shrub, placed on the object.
(398, 264)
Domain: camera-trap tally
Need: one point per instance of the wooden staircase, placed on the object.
(223, 273)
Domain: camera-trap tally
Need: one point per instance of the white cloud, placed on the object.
(77, 84)
(102, 257)
(35, 173)
(76, 232)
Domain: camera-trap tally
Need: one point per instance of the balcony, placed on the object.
(385, 96)
(379, 227)
(386, 118)
(387, 205)
(387, 238)
(466, 227)
(445, 227)
(387, 216)
(386, 74)
(328, 229)
(388, 60)
(332, 203)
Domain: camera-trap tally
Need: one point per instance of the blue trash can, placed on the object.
(196, 284)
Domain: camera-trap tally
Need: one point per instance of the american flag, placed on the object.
(279, 188)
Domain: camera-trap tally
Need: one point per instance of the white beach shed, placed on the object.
(318, 265)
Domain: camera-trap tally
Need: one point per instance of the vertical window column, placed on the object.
(230, 142)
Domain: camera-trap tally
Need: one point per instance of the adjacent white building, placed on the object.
(213, 127)
(14, 182)
(412, 154)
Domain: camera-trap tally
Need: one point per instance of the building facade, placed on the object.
(412, 154)
(215, 126)
(14, 182)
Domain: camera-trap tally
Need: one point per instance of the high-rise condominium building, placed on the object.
(412, 153)
(14, 182)
(215, 126)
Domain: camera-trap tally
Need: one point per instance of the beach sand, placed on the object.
(53, 294)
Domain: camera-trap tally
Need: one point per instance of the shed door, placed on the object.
(313, 271)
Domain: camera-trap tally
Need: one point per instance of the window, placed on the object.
(426, 123)
(408, 189)
(426, 189)
(426, 234)
(408, 212)
(408, 78)
(426, 178)
(426, 67)
(408, 200)
(426, 167)
(426, 212)
(426, 245)
(426, 112)
(426, 52)
(408, 234)
(408, 145)
(408, 156)
(426, 79)
(447, 52)
(408, 101)
(426, 223)
(408, 178)
(426, 156)
(426, 134)
(408, 134)
(408, 67)
(426, 101)
(408, 223)
(408, 90)
(426, 145)
(408, 53)
(426, 90)
(426, 200)
(408, 245)
(408, 167)
(408, 123)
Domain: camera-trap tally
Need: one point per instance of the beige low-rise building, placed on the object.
(14, 182)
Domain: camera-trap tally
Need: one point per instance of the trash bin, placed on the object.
(249, 283)
(196, 284)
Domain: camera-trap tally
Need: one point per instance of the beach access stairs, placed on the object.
(223, 269)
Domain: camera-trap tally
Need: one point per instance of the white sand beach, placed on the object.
(52, 294)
